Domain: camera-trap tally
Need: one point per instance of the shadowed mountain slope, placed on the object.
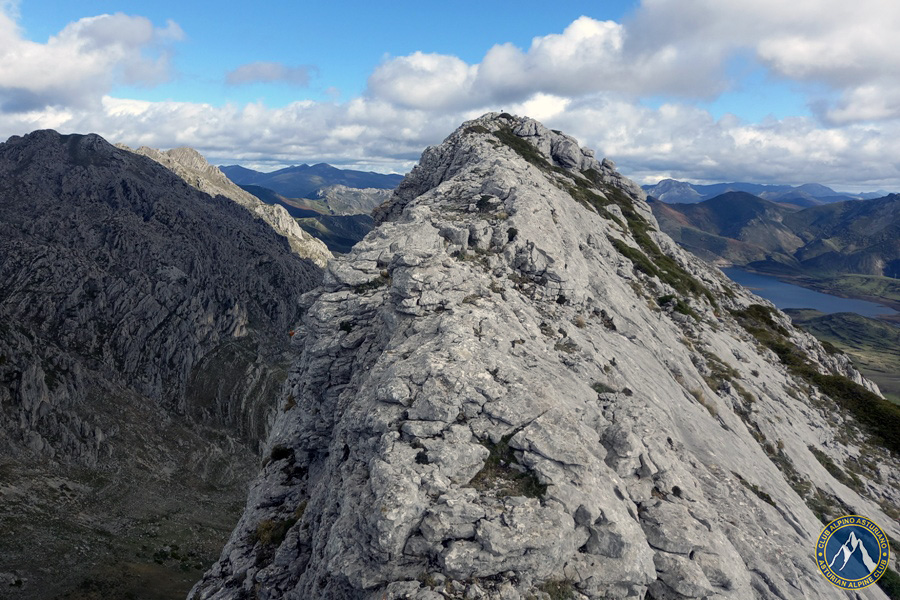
(142, 343)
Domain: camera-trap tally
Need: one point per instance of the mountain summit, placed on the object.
(517, 387)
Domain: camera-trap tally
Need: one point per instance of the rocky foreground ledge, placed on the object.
(517, 387)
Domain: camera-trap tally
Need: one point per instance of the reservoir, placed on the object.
(787, 295)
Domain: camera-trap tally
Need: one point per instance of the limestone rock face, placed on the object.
(517, 387)
(344, 200)
(143, 342)
(190, 165)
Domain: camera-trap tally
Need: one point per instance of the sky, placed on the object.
(705, 91)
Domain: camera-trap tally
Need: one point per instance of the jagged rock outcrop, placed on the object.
(517, 387)
(190, 165)
(143, 342)
(344, 200)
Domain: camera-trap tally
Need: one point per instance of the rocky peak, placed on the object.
(547, 148)
(517, 387)
(190, 165)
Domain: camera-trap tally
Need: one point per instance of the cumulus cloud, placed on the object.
(848, 47)
(679, 48)
(588, 56)
(674, 140)
(685, 142)
(81, 63)
(587, 80)
(269, 72)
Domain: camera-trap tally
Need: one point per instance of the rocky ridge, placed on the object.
(143, 341)
(190, 165)
(343, 200)
(516, 387)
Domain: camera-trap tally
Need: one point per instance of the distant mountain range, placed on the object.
(328, 203)
(857, 236)
(810, 194)
(305, 181)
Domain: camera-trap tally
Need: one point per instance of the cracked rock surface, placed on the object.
(500, 396)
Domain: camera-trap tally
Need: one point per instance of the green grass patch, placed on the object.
(851, 481)
(558, 589)
(889, 583)
(271, 532)
(602, 388)
(522, 147)
(765, 497)
(381, 281)
(720, 371)
(879, 416)
(500, 473)
(681, 306)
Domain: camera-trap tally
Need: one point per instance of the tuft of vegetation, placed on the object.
(476, 129)
(271, 532)
(700, 397)
(851, 481)
(719, 371)
(501, 472)
(830, 348)
(758, 318)
(602, 388)
(765, 497)
(591, 200)
(889, 583)
(522, 147)
(662, 267)
(382, 280)
(567, 345)
(558, 589)
(879, 416)
(680, 305)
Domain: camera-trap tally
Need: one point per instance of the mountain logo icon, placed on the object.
(852, 552)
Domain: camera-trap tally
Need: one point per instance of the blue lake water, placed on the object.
(787, 295)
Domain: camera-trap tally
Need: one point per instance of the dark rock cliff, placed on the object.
(143, 339)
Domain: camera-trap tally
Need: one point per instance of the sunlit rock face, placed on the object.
(517, 387)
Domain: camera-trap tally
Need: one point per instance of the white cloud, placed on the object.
(588, 56)
(688, 143)
(269, 72)
(75, 67)
(847, 46)
(679, 48)
(428, 81)
(674, 140)
(586, 80)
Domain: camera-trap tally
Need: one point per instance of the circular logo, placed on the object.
(852, 552)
